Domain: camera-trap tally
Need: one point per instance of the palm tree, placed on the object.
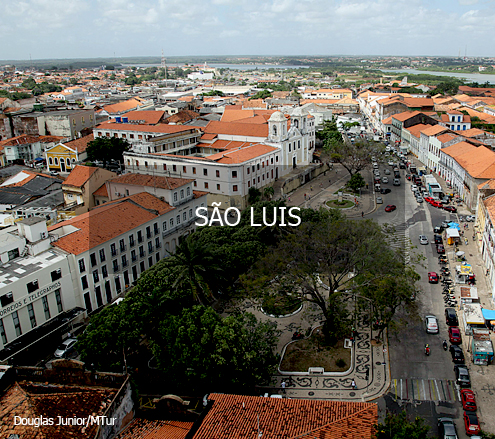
(196, 266)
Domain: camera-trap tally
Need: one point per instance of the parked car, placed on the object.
(438, 239)
(390, 208)
(423, 240)
(457, 354)
(385, 180)
(440, 249)
(451, 317)
(428, 199)
(462, 375)
(414, 187)
(385, 191)
(454, 335)
(379, 200)
(65, 348)
(450, 209)
(387, 171)
(408, 176)
(435, 203)
(468, 400)
(432, 277)
(471, 423)
(438, 228)
(446, 428)
(470, 218)
(419, 199)
(431, 323)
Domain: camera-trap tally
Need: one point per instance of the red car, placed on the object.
(450, 209)
(468, 400)
(428, 199)
(432, 277)
(471, 423)
(440, 249)
(435, 203)
(454, 335)
(390, 208)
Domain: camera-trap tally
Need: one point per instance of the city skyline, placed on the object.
(116, 28)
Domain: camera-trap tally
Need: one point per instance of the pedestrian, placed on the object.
(304, 196)
(353, 385)
(487, 271)
(311, 187)
(329, 181)
(289, 199)
(321, 185)
(466, 241)
(283, 386)
(309, 197)
(362, 214)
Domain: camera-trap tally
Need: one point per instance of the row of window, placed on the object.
(55, 161)
(32, 317)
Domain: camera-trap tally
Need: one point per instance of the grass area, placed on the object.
(340, 204)
(313, 352)
(281, 304)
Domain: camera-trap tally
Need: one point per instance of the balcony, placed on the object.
(134, 258)
(158, 245)
(142, 255)
(116, 268)
(125, 263)
(132, 243)
(140, 239)
(123, 248)
(114, 252)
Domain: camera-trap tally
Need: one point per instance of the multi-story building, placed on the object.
(64, 156)
(456, 121)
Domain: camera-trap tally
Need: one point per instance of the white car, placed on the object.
(65, 348)
(391, 163)
(379, 200)
(419, 199)
(375, 165)
(385, 180)
(431, 323)
(470, 218)
(414, 188)
(423, 240)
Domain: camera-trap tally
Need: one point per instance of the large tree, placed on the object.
(106, 149)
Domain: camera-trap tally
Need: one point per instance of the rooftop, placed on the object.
(80, 144)
(169, 183)
(79, 176)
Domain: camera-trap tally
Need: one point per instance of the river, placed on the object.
(471, 77)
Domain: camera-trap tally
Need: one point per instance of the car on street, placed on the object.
(454, 335)
(408, 176)
(379, 200)
(468, 400)
(471, 423)
(435, 203)
(423, 240)
(385, 191)
(385, 180)
(462, 375)
(432, 277)
(391, 163)
(431, 323)
(451, 317)
(470, 218)
(457, 354)
(387, 171)
(419, 199)
(414, 187)
(450, 209)
(428, 199)
(440, 249)
(438, 239)
(446, 428)
(390, 208)
(65, 348)
(437, 229)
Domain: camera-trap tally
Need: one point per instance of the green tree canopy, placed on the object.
(263, 94)
(356, 181)
(106, 149)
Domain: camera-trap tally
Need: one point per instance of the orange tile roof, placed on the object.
(447, 137)
(478, 162)
(101, 191)
(80, 144)
(148, 117)
(225, 144)
(458, 149)
(237, 129)
(160, 128)
(79, 176)
(109, 221)
(434, 130)
(472, 132)
(183, 116)
(233, 113)
(490, 184)
(241, 155)
(255, 103)
(128, 105)
(405, 115)
(236, 417)
(151, 181)
(50, 139)
(208, 136)
(23, 139)
(387, 121)
(147, 429)
(416, 130)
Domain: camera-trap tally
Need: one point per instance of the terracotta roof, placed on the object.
(242, 155)
(34, 400)
(447, 137)
(151, 181)
(148, 117)
(233, 113)
(478, 162)
(387, 121)
(101, 191)
(162, 128)
(490, 184)
(182, 116)
(109, 221)
(224, 144)
(418, 102)
(50, 139)
(434, 130)
(405, 115)
(472, 132)
(489, 202)
(80, 144)
(237, 129)
(255, 103)
(455, 112)
(236, 417)
(147, 429)
(79, 176)
(208, 136)
(416, 130)
(458, 149)
(121, 107)
(23, 139)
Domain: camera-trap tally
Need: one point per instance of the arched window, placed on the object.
(56, 160)
(274, 130)
(296, 123)
(67, 160)
(50, 161)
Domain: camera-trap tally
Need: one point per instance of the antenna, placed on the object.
(164, 65)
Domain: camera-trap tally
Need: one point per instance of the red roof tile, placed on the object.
(101, 191)
(79, 176)
(236, 417)
(146, 429)
(162, 128)
(147, 117)
(122, 107)
(151, 181)
(237, 129)
(80, 144)
(242, 155)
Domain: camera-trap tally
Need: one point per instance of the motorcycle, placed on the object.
(444, 345)
(427, 350)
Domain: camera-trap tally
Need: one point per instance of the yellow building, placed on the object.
(64, 157)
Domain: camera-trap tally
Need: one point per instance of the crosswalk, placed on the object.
(398, 238)
(413, 389)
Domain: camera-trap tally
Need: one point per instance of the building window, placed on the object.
(32, 286)
(175, 197)
(181, 194)
(133, 256)
(290, 147)
(56, 274)
(248, 171)
(56, 161)
(140, 236)
(184, 216)
(2, 332)
(194, 170)
(141, 251)
(205, 171)
(217, 174)
(177, 218)
(195, 183)
(113, 249)
(164, 226)
(58, 298)
(82, 266)
(171, 222)
(124, 261)
(218, 187)
(96, 277)
(157, 243)
(206, 185)
(17, 323)
(32, 317)
(87, 302)
(188, 190)
(102, 255)
(131, 240)
(148, 232)
(164, 167)
(92, 258)
(234, 188)
(84, 282)
(115, 265)
(6, 299)
(46, 307)
(50, 161)
(104, 271)
(150, 246)
(122, 245)
(234, 174)
(190, 213)
(99, 300)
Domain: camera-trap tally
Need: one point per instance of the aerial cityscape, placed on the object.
(231, 219)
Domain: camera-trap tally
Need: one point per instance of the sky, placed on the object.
(55, 29)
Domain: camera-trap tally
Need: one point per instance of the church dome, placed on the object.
(278, 116)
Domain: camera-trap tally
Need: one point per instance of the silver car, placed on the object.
(447, 429)
(431, 323)
(65, 348)
(423, 239)
(379, 200)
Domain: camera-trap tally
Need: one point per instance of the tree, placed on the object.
(201, 351)
(254, 195)
(399, 427)
(263, 94)
(106, 149)
(356, 182)
(268, 192)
